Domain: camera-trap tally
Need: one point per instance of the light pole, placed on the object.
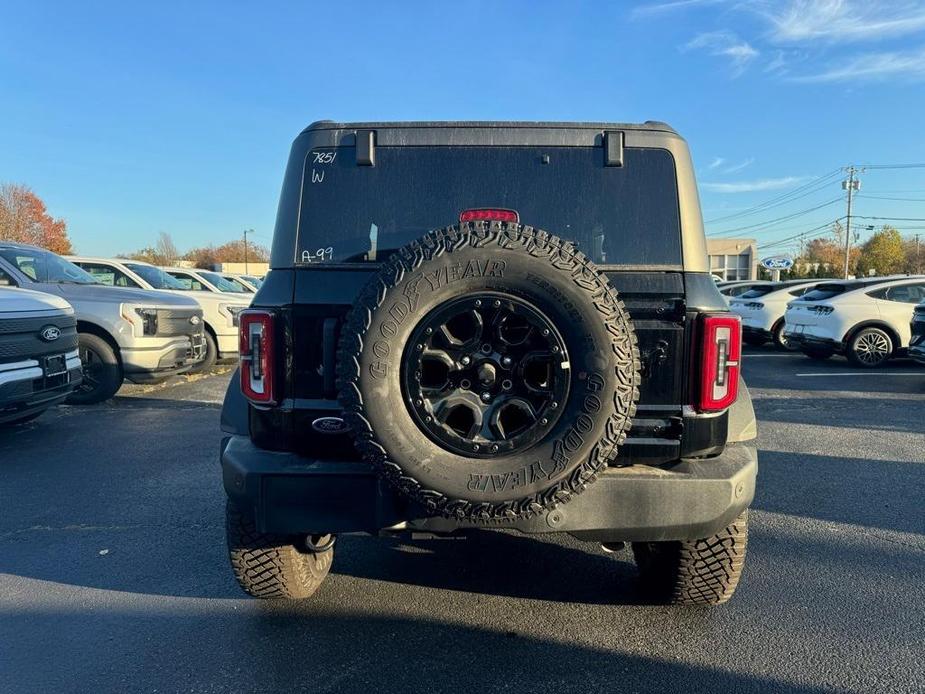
(246, 232)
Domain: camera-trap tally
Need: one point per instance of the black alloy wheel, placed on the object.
(485, 375)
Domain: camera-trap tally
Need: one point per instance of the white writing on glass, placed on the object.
(318, 255)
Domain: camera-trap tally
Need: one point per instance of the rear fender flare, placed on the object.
(742, 425)
(234, 418)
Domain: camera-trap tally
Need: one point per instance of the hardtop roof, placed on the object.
(651, 125)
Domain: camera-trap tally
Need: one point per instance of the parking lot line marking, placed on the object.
(864, 373)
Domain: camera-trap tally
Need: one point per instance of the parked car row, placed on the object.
(868, 320)
(220, 300)
(77, 328)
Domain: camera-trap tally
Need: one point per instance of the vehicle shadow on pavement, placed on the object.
(498, 563)
(146, 403)
(873, 493)
(281, 650)
(897, 414)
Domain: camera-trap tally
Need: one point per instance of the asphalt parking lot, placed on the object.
(113, 574)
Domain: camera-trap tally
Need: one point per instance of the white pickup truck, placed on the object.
(39, 364)
(139, 335)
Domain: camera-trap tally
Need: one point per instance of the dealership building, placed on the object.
(733, 259)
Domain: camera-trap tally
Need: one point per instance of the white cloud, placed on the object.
(873, 66)
(838, 21)
(659, 7)
(717, 161)
(754, 186)
(735, 168)
(725, 44)
(777, 64)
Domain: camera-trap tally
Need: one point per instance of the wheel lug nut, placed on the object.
(506, 361)
(478, 302)
(545, 332)
(553, 405)
(486, 396)
(419, 402)
(465, 361)
(475, 447)
(429, 331)
(420, 347)
(555, 348)
(494, 449)
(496, 303)
(544, 421)
(428, 419)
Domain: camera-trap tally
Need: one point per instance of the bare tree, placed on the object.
(165, 249)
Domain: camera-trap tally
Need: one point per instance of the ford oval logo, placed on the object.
(50, 333)
(330, 425)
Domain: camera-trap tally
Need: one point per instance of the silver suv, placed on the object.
(142, 336)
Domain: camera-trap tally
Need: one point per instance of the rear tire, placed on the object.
(211, 355)
(102, 372)
(780, 340)
(869, 348)
(694, 572)
(271, 566)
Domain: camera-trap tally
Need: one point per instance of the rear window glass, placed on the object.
(825, 292)
(615, 215)
(758, 291)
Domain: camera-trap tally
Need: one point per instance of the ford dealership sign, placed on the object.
(777, 262)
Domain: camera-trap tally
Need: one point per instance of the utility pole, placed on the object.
(251, 231)
(851, 185)
(917, 254)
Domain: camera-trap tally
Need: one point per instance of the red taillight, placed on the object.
(255, 344)
(721, 360)
(489, 215)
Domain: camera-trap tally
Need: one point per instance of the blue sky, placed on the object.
(135, 118)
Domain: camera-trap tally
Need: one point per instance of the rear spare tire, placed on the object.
(489, 371)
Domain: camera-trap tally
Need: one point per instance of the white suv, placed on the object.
(219, 310)
(866, 320)
(762, 310)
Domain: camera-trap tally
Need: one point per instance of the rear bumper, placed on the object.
(805, 341)
(917, 353)
(752, 331)
(293, 495)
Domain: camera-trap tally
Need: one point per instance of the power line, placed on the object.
(801, 234)
(899, 219)
(879, 197)
(771, 222)
(782, 198)
(894, 166)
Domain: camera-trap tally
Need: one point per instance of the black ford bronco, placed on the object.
(489, 325)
